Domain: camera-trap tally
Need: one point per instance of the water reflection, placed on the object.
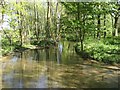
(55, 67)
(59, 53)
(37, 55)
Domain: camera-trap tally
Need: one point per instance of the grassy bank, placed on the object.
(7, 48)
(105, 50)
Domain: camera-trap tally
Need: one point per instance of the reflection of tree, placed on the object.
(47, 54)
(59, 53)
(37, 55)
(47, 65)
(21, 71)
(118, 71)
(56, 54)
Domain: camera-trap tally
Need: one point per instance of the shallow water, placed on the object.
(58, 67)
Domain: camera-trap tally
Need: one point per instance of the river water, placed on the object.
(56, 67)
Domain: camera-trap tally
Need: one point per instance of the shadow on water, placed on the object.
(55, 67)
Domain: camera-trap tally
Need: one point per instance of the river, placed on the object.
(56, 67)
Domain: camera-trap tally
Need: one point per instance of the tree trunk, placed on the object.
(20, 24)
(79, 29)
(104, 26)
(21, 28)
(93, 24)
(98, 32)
(115, 26)
(48, 21)
(35, 21)
(56, 16)
(113, 33)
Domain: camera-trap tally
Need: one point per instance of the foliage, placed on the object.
(101, 50)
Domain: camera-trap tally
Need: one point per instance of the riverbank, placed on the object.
(43, 44)
(104, 50)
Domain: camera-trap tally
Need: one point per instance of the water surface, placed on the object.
(58, 67)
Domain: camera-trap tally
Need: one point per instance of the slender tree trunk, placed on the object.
(35, 21)
(98, 32)
(21, 28)
(113, 34)
(79, 29)
(94, 24)
(115, 26)
(20, 24)
(56, 21)
(48, 21)
(20, 33)
(24, 32)
(38, 25)
(104, 25)
(29, 32)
